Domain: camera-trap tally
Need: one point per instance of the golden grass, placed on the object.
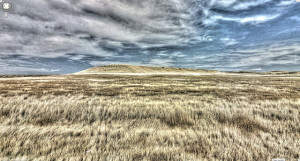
(106, 117)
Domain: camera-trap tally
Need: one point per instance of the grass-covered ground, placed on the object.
(150, 117)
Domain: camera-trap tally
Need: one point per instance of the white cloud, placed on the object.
(279, 53)
(177, 55)
(77, 57)
(286, 3)
(257, 69)
(225, 3)
(258, 19)
(28, 70)
(238, 4)
(229, 41)
(161, 62)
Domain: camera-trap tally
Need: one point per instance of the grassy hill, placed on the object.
(119, 68)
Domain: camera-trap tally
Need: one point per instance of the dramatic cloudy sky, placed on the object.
(64, 36)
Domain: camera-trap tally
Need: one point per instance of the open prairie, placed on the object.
(150, 117)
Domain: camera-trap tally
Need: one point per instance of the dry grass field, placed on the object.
(150, 117)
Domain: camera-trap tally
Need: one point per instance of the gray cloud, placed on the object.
(153, 32)
(54, 28)
(280, 53)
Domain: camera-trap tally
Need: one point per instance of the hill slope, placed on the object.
(118, 68)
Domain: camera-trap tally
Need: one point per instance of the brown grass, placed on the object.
(107, 117)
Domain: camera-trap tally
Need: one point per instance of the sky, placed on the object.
(66, 36)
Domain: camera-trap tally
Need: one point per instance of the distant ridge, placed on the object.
(121, 68)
